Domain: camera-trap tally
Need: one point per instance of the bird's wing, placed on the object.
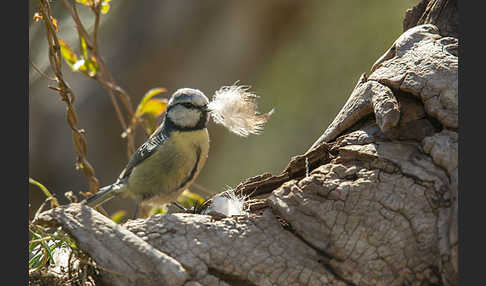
(143, 152)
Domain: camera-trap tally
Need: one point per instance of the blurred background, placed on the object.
(302, 58)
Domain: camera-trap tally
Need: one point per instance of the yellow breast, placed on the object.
(172, 168)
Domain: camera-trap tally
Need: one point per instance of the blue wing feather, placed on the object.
(144, 151)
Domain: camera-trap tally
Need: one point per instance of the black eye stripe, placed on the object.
(188, 105)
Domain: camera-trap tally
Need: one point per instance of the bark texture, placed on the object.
(373, 202)
(442, 13)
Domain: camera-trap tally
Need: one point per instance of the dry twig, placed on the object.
(104, 77)
(67, 95)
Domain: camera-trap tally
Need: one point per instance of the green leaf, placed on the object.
(87, 64)
(189, 199)
(43, 189)
(67, 53)
(105, 6)
(154, 107)
(118, 216)
(149, 105)
(84, 46)
(80, 65)
(92, 66)
(34, 262)
(85, 2)
(47, 251)
(149, 109)
(34, 234)
(157, 210)
(78, 166)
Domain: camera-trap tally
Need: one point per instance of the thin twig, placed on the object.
(67, 95)
(104, 77)
(78, 23)
(96, 11)
(39, 210)
(40, 72)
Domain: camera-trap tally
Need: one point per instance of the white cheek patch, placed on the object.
(184, 117)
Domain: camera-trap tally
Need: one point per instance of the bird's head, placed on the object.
(187, 109)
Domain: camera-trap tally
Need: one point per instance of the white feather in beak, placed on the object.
(236, 108)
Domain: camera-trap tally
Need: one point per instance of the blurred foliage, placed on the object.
(42, 241)
(149, 109)
(84, 64)
(46, 192)
(118, 216)
(189, 199)
(302, 58)
(42, 245)
(105, 4)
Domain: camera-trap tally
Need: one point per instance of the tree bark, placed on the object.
(373, 202)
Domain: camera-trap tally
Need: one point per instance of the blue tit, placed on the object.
(171, 158)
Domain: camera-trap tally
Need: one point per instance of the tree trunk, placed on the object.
(373, 201)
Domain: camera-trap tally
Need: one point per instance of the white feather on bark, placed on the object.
(227, 204)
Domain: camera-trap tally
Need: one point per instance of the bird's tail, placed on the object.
(103, 195)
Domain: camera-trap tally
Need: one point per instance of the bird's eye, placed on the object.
(187, 105)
